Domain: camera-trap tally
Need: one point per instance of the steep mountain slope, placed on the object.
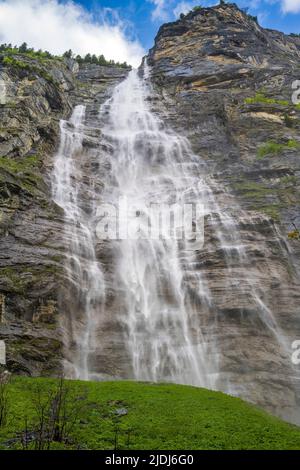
(226, 83)
(39, 92)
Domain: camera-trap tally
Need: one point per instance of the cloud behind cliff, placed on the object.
(55, 26)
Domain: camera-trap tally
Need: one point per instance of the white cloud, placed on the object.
(57, 27)
(160, 12)
(184, 7)
(290, 6)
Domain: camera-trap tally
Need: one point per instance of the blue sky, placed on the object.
(146, 16)
(122, 30)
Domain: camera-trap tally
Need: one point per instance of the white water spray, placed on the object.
(165, 309)
(84, 272)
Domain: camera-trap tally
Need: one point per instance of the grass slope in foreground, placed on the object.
(150, 416)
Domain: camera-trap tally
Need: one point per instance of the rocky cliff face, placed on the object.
(226, 83)
(38, 94)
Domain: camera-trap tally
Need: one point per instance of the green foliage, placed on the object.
(271, 210)
(4, 399)
(20, 165)
(274, 148)
(289, 122)
(261, 98)
(19, 64)
(268, 196)
(253, 18)
(26, 172)
(24, 50)
(197, 8)
(252, 187)
(68, 54)
(159, 416)
(93, 59)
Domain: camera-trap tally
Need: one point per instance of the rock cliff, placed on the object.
(226, 83)
(38, 93)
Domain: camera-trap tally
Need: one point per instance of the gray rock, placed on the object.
(225, 83)
(39, 94)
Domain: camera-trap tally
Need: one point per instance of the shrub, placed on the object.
(274, 148)
(19, 64)
(57, 412)
(289, 122)
(24, 50)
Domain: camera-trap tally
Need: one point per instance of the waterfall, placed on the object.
(162, 303)
(151, 165)
(84, 272)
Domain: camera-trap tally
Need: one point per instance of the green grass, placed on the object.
(30, 68)
(20, 165)
(274, 148)
(26, 171)
(158, 417)
(261, 98)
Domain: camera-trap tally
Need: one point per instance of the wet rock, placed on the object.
(121, 412)
(32, 250)
(225, 83)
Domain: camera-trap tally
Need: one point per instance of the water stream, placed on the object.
(165, 308)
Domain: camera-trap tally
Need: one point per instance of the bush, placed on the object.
(19, 64)
(253, 18)
(274, 148)
(93, 59)
(9, 50)
(57, 411)
(25, 50)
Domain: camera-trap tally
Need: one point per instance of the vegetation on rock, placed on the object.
(93, 59)
(9, 50)
(261, 98)
(275, 148)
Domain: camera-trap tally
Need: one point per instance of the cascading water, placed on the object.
(148, 166)
(164, 307)
(159, 279)
(84, 273)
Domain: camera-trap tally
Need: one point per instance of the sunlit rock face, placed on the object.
(226, 84)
